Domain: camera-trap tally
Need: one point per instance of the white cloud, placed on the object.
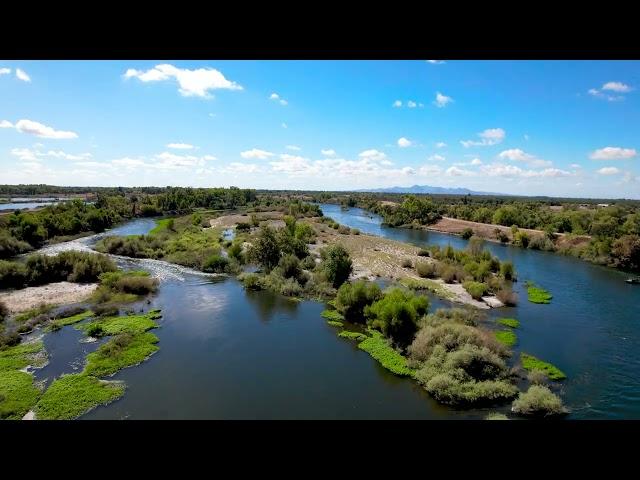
(127, 162)
(629, 177)
(22, 75)
(293, 147)
(515, 154)
(428, 170)
(404, 142)
(6, 124)
(5, 71)
(616, 87)
(43, 131)
(397, 104)
(608, 171)
(294, 165)
(440, 145)
(278, 98)
(490, 136)
(411, 104)
(476, 161)
(241, 168)
(181, 146)
(64, 155)
(501, 170)
(191, 82)
(329, 152)
(458, 172)
(25, 154)
(442, 100)
(613, 153)
(372, 154)
(436, 158)
(575, 165)
(256, 153)
(435, 62)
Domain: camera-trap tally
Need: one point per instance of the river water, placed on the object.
(230, 354)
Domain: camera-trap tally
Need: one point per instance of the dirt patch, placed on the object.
(483, 230)
(274, 219)
(54, 294)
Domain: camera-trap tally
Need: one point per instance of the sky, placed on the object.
(556, 128)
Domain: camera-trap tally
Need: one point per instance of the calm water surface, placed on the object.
(230, 354)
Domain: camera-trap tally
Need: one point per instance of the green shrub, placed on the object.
(507, 296)
(355, 231)
(11, 246)
(251, 281)
(215, 264)
(537, 377)
(352, 335)
(243, 227)
(337, 264)
(396, 314)
(496, 416)
(4, 311)
(538, 401)
(289, 266)
(424, 253)
(476, 289)
(426, 269)
(266, 250)
(507, 271)
(353, 298)
(467, 233)
(332, 315)
(464, 316)
(406, 263)
(308, 263)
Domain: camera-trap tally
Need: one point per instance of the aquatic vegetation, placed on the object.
(70, 396)
(352, 335)
(378, 347)
(506, 337)
(538, 401)
(538, 294)
(529, 362)
(33, 312)
(161, 225)
(509, 322)
(17, 390)
(61, 322)
(129, 323)
(122, 351)
(496, 416)
(332, 315)
(335, 323)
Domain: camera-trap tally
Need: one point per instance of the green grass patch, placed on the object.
(335, 323)
(537, 294)
(506, 337)
(379, 349)
(17, 390)
(332, 315)
(133, 324)
(496, 416)
(427, 284)
(161, 225)
(62, 322)
(123, 351)
(33, 312)
(70, 396)
(509, 322)
(529, 362)
(352, 335)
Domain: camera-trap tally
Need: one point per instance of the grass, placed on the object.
(530, 363)
(427, 284)
(335, 323)
(62, 322)
(133, 324)
(496, 416)
(33, 312)
(332, 315)
(509, 322)
(17, 390)
(537, 294)
(70, 396)
(161, 225)
(352, 335)
(379, 349)
(506, 337)
(121, 352)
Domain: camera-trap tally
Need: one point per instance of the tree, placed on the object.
(266, 250)
(626, 252)
(353, 298)
(337, 264)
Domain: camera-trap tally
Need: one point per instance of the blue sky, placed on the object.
(566, 128)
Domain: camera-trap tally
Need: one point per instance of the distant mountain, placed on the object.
(429, 189)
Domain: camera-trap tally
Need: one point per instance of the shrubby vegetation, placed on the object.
(378, 347)
(538, 401)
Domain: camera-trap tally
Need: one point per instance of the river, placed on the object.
(230, 354)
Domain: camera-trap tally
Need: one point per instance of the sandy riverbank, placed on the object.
(54, 294)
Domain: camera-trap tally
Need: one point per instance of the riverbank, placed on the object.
(59, 293)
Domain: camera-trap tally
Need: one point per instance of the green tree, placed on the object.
(266, 250)
(337, 264)
(352, 298)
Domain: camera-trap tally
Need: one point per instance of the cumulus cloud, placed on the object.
(22, 75)
(608, 171)
(575, 165)
(181, 146)
(617, 87)
(404, 142)
(256, 154)
(397, 104)
(241, 168)
(197, 82)
(372, 154)
(515, 154)
(436, 158)
(458, 172)
(278, 98)
(613, 153)
(5, 71)
(490, 136)
(440, 145)
(293, 147)
(40, 130)
(429, 170)
(442, 100)
(411, 104)
(476, 162)
(6, 124)
(329, 152)
(502, 170)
